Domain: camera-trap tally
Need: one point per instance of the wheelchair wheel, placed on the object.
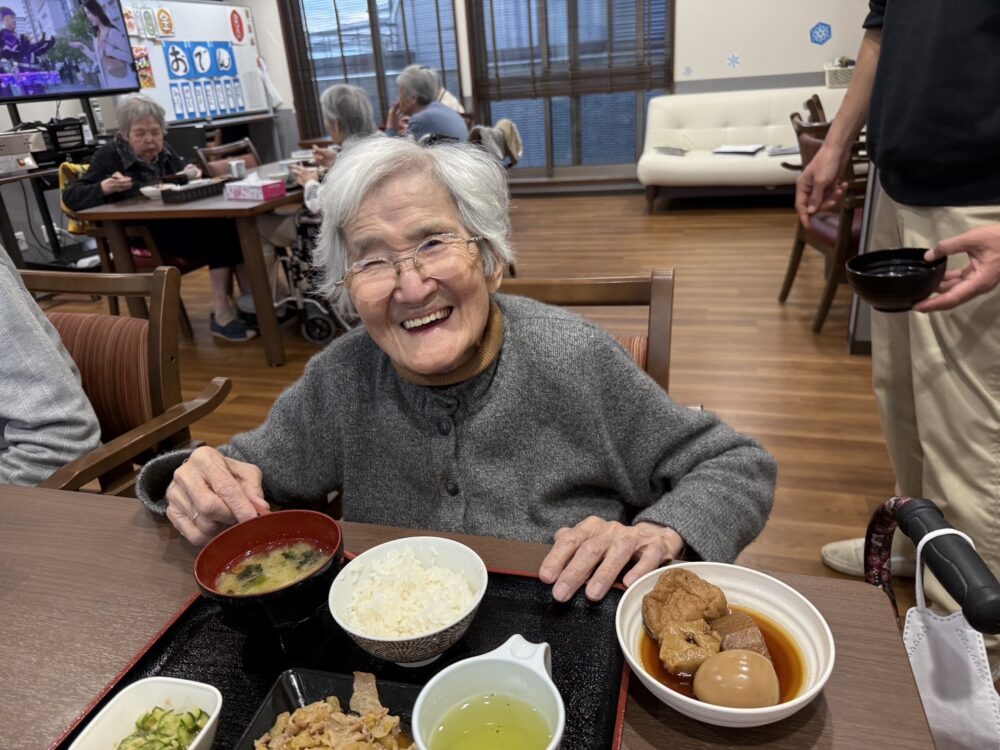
(318, 330)
(318, 326)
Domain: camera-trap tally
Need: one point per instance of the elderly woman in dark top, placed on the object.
(138, 156)
(456, 408)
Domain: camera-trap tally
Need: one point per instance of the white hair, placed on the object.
(420, 82)
(476, 182)
(134, 107)
(349, 106)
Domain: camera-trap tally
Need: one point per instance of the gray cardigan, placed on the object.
(46, 420)
(563, 425)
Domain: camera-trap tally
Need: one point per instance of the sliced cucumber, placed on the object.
(165, 729)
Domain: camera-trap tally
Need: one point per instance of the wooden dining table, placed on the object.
(87, 580)
(115, 216)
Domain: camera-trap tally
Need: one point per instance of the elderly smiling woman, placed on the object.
(460, 409)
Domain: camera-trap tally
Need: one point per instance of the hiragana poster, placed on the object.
(165, 21)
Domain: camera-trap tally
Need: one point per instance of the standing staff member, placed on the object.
(926, 81)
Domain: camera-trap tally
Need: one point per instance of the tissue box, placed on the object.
(245, 190)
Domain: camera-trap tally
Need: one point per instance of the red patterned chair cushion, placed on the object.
(111, 354)
(637, 347)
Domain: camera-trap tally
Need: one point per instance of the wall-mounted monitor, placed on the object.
(59, 49)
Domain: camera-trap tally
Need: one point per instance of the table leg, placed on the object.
(263, 301)
(121, 256)
(7, 238)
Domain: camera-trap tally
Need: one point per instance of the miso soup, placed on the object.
(491, 722)
(271, 568)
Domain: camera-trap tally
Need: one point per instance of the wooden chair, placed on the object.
(815, 109)
(145, 254)
(130, 371)
(214, 160)
(835, 233)
(656, 291)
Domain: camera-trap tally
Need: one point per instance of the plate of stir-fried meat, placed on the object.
(325, 723)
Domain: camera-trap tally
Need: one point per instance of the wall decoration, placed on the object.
(165, 21)
(239, 29)
(821, 33)
(178, 100)
(149, 27)
(734, 61)
(143, 67)
(131, 24)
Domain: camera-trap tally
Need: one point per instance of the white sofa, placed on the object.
(698, 123)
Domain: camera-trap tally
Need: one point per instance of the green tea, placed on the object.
(491, 722)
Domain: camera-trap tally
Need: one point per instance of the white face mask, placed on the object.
(953, 675)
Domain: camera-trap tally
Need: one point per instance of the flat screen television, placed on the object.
(59, 49)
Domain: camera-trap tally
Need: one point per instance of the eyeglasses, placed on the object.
(440, 257)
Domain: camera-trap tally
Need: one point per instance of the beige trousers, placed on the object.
(937, 383)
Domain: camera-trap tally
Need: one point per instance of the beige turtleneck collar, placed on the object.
(483, 357)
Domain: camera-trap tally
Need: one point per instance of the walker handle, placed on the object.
(956, 564)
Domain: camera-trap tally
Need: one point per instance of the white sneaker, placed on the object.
(848, 557)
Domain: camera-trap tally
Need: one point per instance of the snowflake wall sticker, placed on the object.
(820, 33)
(734, 61)
(687, 72)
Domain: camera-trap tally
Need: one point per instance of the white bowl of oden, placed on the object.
(409, 600)
(724, 644)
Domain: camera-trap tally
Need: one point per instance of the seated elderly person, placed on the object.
(139, 156)
(348, 117)
(46, 420)
(456, 408)
(418, 92)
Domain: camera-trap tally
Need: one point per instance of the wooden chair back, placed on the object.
(834, 233)
(214, 160)
(130, 371)
(815, 109)
(655, 291)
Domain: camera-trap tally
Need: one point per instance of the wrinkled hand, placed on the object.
(304, 175)
(210, 492)
(324, 157)
(980, 275)
(192, 171)
(116, 183)
(599, 550)
(817, 188)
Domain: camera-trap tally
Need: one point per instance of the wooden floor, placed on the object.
(735, 350)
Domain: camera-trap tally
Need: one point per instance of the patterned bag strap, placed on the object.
(878, 547)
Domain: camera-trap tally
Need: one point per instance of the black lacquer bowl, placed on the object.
(894, 280)
(282, 608)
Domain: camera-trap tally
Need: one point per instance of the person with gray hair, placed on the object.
(419, 87)
(456, 408)
(140, 156)
(347, 117)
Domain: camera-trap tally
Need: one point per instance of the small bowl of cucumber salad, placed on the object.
(157, 712)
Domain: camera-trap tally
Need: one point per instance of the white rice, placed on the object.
(398, 597)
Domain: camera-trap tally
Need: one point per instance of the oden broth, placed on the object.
(789, 664)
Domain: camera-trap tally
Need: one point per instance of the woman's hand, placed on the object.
(210, 492)
(980, 275)
(817, 188)
(304, 175)
(599, 550)
(324, 157)
(116, 183)
(192, 171)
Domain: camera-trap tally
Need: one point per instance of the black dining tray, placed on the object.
(587, 665)
(188, 193)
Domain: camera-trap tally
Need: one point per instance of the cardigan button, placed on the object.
(444, 426)
(452, 487)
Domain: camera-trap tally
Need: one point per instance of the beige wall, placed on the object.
(769, 37)
(272, 46)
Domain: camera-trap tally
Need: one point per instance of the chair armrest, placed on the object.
(125, 447)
